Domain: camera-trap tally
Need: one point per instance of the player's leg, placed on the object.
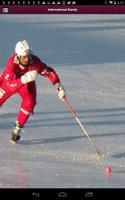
(28, 95)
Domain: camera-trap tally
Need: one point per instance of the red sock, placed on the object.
(22, 117)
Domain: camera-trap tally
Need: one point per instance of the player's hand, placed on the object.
(61, 92)
(29, 76)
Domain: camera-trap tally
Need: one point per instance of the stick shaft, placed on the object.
(82, 127)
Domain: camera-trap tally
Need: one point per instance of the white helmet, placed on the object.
(22, 48)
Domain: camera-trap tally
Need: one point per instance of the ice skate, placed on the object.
(16, 133)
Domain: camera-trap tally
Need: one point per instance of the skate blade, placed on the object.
(13, 142)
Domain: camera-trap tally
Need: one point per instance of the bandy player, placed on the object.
(19, 77)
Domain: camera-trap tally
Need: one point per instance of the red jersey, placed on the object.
(11, 76)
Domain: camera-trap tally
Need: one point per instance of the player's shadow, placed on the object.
(119, 155)
(49, 140)
(69, 138)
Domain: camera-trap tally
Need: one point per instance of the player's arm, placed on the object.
(10, 79)
(51, 74)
